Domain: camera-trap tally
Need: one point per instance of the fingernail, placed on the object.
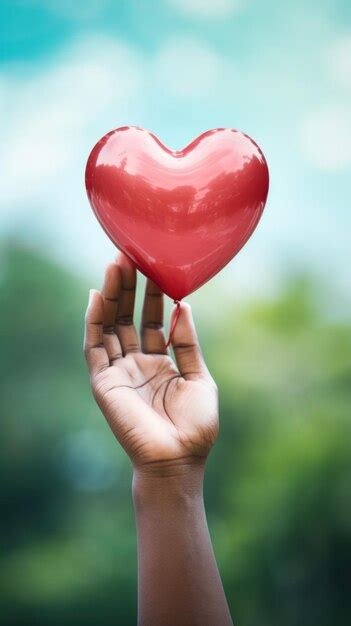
(91, 295)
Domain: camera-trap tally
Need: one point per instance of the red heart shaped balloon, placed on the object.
(179, 215)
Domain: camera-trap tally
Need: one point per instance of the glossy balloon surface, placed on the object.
(179, 215)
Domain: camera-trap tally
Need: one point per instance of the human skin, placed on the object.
(165, 415)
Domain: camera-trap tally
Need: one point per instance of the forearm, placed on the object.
(179, 582)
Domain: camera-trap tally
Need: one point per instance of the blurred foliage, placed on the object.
(278, 481)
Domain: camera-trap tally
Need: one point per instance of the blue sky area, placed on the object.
(281, 72)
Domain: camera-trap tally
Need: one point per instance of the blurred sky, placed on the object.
(279, 71)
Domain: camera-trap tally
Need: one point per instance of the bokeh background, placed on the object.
(275, 325)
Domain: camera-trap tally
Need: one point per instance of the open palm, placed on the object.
(162, 413)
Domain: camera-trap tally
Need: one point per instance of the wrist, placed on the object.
(161, 484)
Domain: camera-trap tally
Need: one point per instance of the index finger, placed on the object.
(186, 346)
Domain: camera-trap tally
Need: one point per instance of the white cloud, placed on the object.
(339, 61)
(185, 67)
(48, 113)
(325, 137)
(51, 120)
(208, 8)
(78, 10)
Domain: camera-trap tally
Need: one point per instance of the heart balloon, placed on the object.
(179, 215)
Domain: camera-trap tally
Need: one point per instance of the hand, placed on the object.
(164, 416)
